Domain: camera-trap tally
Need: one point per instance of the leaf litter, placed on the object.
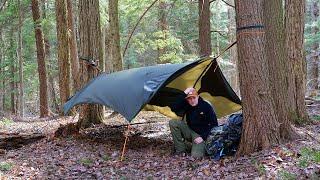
(95, 154)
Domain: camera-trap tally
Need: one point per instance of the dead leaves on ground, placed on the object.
(95, 154)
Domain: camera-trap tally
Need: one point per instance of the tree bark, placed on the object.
(115, 35)
(12, 73)
(63, 52)
(53, 103)
(107, 46)
(44, 109)
(313, 62)
(233, 51)
(163, 27)
(294, 43)
(13, 141)
(275, 54)
(20, 60)
(90, 48)
(73, 48)
(258, 109)
(1, 74)
(204, 28)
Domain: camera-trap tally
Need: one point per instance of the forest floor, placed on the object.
(95, 153)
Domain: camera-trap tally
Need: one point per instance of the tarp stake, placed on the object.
(125, 142)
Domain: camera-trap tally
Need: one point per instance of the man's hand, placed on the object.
(198, 140)
(188, 90)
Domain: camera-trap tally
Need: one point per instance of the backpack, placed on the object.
(224, 139)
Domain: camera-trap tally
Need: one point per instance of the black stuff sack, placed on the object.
(224, 139)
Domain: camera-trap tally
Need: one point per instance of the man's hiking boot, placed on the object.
(176, 153)
(180, 154)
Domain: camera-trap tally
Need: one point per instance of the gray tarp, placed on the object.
(128, 91)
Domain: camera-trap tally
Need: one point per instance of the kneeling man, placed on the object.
(195, 127)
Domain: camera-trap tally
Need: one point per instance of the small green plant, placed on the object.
(308, 156)
(253, 160)
(262, 170)
(316, 117)
(260, 167)
(5, 166)
(149, 178)
(123, 178)
(6, 122)
(285, 175)
(106, 157)
(303, 162)
(316, 156)
(86, 161)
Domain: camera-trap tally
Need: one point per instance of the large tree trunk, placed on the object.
(233, 51)
(163, 27)
(63, 51)
(258, 109)
(115, 35)
(1, 73)
(275, 54)
(90, 48)
(13, 141)
(53, 103)
(204, 28)
(107, 50)
(44, 109)
(313, 62)
(12, 73)
(294, 43)
(51, 84)
(73, 48)
(20, 60)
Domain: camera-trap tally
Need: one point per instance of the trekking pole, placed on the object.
(125, 142)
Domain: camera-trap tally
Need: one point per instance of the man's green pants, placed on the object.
(183, 138)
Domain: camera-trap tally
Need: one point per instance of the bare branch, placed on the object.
(219, 32)
(228, 3)
(3, 4)
(135, 27)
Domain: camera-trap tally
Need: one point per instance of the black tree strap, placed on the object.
(258, 26)
(90, 62)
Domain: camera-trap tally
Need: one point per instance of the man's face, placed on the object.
(193, 100)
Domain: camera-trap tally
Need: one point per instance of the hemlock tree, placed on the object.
(204, 28)
(73, 48)
(1, 73)
(20, 63)
(107, 49)
(90, 46)
(163, 29)
(12, 70)
(258, 108)
(294, 43)
(63, 51)
(44, 109)
(275, 55)
(52, 95)
(114, 36)
(313, 60)
(233, 51)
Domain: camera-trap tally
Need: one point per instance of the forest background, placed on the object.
(168, 33)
